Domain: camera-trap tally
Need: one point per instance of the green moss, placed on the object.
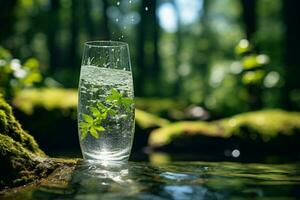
(146, 120)
(11, 127)
(48, 98)
(16, 163)
(166, 134)
(264, 125)
(22, 161)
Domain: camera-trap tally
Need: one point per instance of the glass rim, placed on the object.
(105, 44)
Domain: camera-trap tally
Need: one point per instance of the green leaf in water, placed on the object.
(99, 128)
(127, 102)
(87, 118)
(83, 130)
(94, 133)
(95, 112)
(101, 106)
(115, 95)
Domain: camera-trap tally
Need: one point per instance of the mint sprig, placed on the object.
(93, 123)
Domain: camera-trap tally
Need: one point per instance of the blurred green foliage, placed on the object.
(254, 73)
(15, 76)
(195, 63)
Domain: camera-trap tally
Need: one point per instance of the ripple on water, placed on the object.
(178, 176)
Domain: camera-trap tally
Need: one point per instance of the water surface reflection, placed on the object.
(180, 180)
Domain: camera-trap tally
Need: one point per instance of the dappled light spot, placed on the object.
(272, 79)
(236, 153)
(167, 17)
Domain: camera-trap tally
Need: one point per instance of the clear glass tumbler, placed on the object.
(105, 106)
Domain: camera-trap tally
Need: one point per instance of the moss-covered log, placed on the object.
(260, 131)
(22, 161)
(55, 108)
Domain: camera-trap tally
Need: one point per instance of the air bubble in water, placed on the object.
(146, 8)
(118, 3)
(130, 1)
(117, 19)
(105, 65)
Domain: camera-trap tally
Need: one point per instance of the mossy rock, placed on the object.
(265, 131)
(10, 127)
(22, 161)
(163, 107)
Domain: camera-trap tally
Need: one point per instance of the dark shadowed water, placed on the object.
(178, 180)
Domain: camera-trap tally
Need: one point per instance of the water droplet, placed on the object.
(117, 19)
(146, 8)
(118, 3)
(125, 27)
(130, 1)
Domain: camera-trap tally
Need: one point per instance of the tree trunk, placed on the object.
(156, 64)
(202, 63)
(141, 69)
(178, 83)
(292, 43)
(249, 17)
(105, 33)
(54, 50)
(88, 20)
(7, 18)
(148, 59)
(75, 24)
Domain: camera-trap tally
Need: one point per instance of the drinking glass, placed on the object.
(105, 106)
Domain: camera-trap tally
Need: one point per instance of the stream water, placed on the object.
(177, 180)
